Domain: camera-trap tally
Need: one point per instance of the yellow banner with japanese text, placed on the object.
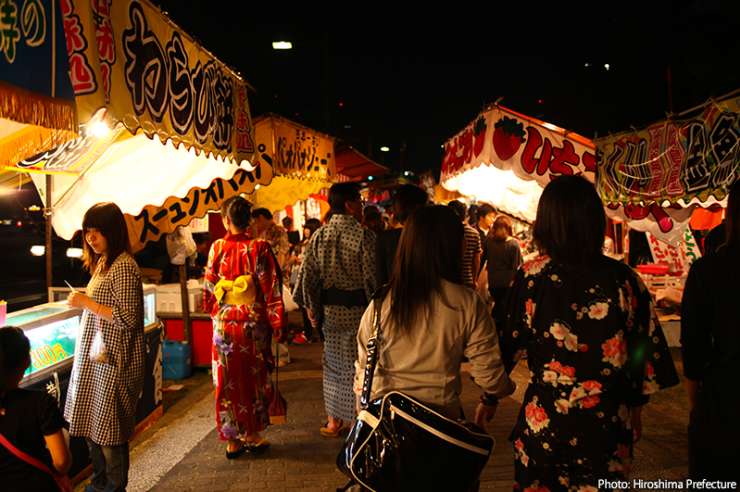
(294, 150)
(156, 220)
(128, 58)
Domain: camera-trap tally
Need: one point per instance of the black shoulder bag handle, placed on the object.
(373, 348)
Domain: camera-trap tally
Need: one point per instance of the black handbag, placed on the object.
(400, 443)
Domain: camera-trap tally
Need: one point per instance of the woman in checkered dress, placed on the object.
(107, 378)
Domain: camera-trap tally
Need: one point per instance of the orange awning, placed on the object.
(356, 165)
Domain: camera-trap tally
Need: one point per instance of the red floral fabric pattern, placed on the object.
(242, 358)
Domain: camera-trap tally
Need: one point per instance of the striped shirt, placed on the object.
(472, 247)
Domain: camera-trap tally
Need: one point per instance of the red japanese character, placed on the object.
(73, 35)
(529, 161)
(83, 79)
(244, 142)
(466, 140)
(104, 36)
(563, 159)
(674, 157)
(588, 159)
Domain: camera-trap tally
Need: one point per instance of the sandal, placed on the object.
(327, 431)
(258, 446)
(232, 455)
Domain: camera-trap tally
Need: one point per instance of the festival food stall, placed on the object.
(667, 176)
(506, 158)
(166, 135)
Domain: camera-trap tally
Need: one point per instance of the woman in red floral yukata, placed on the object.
(593, 344)
(243, 293)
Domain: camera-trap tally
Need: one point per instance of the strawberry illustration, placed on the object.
(479, 130)
(507, 137)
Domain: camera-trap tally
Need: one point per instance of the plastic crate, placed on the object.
(176, 360)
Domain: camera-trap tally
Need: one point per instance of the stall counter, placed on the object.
(52, 329)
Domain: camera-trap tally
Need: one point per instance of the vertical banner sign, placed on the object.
(678, 258)
(125, 56)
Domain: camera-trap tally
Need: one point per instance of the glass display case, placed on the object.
(52, 330)
(150, 306)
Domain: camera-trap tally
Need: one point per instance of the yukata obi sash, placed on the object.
(237, 292)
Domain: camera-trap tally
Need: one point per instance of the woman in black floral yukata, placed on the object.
(593, 344)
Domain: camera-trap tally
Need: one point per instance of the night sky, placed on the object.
(378, 77)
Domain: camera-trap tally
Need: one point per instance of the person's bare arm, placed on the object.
(60, 455)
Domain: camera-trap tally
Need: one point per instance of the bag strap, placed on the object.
(373, 349)
(23, 456)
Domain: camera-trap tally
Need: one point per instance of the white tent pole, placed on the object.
(48, 216)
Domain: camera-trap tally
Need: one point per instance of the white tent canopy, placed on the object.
(133, 171)
(506, 159)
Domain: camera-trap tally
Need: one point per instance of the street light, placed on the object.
(282, 45)
(385, 149)
(38, 250)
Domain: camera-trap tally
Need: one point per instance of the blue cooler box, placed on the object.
(176, 360)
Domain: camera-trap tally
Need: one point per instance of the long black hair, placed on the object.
(108, 219)
(430, 250)
(570, 221)
(14, 354)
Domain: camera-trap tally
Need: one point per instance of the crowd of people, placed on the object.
(584, 322)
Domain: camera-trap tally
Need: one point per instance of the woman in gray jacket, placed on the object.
(431, 321)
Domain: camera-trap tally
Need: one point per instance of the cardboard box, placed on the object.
(169, 299)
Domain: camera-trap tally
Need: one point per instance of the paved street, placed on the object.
(182, 451)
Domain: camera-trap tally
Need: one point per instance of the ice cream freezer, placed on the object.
(53, 330)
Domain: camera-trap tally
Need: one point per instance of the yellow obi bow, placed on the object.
(239, 291)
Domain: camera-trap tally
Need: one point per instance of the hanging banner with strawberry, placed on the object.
(532, 149)
(503, 141)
